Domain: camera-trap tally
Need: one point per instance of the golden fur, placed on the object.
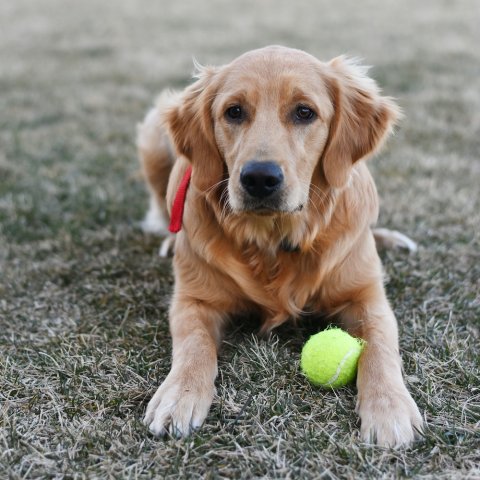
(230, 257)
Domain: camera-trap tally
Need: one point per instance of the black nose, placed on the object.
(261, 179)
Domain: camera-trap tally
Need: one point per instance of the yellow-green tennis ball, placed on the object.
(329, 358)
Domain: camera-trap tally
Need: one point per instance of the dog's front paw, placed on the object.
(389, 418)
(179, 406)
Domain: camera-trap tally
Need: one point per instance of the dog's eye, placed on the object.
(234, 113)
(304, 114)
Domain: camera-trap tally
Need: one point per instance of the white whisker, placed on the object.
(215, 185)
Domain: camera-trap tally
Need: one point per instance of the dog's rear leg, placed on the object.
(156, 158)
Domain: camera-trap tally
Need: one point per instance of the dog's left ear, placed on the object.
(362, 119)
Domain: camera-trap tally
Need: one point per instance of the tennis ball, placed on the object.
(329, 358)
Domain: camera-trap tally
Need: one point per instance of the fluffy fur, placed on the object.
(312, 250)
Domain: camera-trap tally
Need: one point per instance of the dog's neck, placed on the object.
(286, 232)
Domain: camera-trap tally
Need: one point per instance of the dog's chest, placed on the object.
(288, 280)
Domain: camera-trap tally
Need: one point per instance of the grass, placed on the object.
(83, 295)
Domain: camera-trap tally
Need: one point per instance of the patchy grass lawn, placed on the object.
(83, 295)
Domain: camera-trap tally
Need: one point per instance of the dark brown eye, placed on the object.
(234, 113)
(304, 114)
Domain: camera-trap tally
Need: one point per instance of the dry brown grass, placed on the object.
(83, 296)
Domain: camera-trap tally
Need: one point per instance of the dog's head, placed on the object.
(275, 120)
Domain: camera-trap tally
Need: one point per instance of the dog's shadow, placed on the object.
(293, 333)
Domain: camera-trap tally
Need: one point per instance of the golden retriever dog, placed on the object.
(276, 222)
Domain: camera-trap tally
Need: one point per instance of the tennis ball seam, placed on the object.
(337, 373)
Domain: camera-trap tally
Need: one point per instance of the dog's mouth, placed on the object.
(265, 209)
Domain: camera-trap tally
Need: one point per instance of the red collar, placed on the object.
(179, 203)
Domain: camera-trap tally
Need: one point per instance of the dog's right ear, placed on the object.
(190, 124)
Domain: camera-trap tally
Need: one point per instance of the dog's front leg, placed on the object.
(388, 414)
(181, 403)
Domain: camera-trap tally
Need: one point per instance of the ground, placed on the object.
(83, 295)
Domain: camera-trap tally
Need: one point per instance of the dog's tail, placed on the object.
(385, 238)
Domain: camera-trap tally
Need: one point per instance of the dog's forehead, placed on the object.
(275, 55)
(272, 62)
(275, 69)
